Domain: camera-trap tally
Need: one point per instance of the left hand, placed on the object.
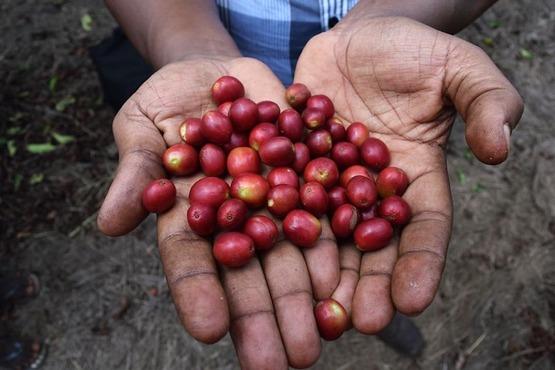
(406, 82)
(267, 305)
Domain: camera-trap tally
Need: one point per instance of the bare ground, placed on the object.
(105, 304)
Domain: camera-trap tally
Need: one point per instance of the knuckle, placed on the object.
(185, 237)
(292, 293)
(251, 313)
(182, 276)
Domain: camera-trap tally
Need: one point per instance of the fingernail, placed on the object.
(507, 131)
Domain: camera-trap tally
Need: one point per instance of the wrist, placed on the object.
(353, 23)
(167, 31)
(169, 47)
(448, 16)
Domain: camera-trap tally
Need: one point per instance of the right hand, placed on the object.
(267, 304)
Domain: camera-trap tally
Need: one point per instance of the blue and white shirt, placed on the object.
(275, 31)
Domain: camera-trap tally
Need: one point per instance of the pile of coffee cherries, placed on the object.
(301, 163)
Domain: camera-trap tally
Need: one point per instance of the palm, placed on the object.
(267, 304)
(399, 77)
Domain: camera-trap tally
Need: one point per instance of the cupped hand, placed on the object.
(406, 82)
(267, 305)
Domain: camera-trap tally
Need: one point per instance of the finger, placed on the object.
(145, 125)
(141, 147)
(253, 326)
(322, 261)
(372, 305)
(289, 284)
(191, 273)
(349, 264)
(294, 310)
(423, 243)
(486, 100)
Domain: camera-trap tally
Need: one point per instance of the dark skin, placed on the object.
(267, 305)
(407, 82)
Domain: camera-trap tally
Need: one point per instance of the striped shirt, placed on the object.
(275, 31)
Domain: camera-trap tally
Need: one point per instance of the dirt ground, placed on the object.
(496, 306)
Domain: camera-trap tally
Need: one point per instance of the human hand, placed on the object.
(267, 304)
(407, 81)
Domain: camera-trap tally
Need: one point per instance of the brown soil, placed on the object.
(105, 304)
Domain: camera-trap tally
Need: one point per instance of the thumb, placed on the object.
(488, 103)
(141, 146)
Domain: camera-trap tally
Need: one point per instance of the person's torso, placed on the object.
(275, 31)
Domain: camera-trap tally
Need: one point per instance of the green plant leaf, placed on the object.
(63, 139)
(488, 41)
(41, 148)
(16, 117)
(64, 103)
(17, 181)
(53, 83)
(12, 148)
(526, 54)
(14, 130)
(461, 176)
(86, 22)
(478, 188)
(468, 155)
(494, 23)
(36, 178)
